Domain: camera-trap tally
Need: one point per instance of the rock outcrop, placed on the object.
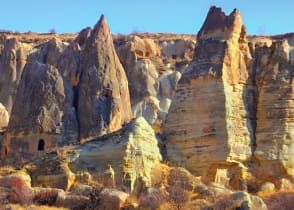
(4, 118)
(132, 152)
(12, 61)
(208, 122)
(43, 115)
(275, 110)
(103, 101)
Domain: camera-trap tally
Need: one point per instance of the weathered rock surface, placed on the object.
(12, 61)
(104, 101)
(4, 118)
(152, 73)
(208, 122)
(132, 152)
(43, 115)
(275, 109)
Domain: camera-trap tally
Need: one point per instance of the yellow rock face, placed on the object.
(208, 122)
(275, 115)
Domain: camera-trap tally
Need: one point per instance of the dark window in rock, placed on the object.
(41, 145)
(5, 151)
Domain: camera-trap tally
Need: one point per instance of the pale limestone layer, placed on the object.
(132, 153)
(208, 122)
(275, 109)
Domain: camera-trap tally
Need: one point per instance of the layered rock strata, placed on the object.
(275, 109)
(209, 122)
(103, 100)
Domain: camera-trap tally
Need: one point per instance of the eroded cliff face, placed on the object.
(42, 116)
(12, 61)
(275, 125)
(103, 100)
(225, 101)
(208, 121)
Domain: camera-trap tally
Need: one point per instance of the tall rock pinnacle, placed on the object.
(208, 123)
(104, 100)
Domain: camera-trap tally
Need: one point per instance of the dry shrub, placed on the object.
(178, 196)
(280, 200)
(152, 200)
(222, 202)
(95, 195)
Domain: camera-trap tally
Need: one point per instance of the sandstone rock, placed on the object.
(71, 201)
(267, 187)
(209, 122)
(147, 108)
(51, 171)
(275, 125)
(68, 63)
(19, 187)
(112, 199)
(43, 115)
(12, 61)
(243, 200)
(132, 152)
(104, 101)
(4, 118)
(180, 48)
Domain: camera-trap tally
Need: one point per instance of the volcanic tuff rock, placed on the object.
(43, 115)
(153, 70)
(12, 61)
(131, 151)
(208, 122)
(275, 109)
(104, 101)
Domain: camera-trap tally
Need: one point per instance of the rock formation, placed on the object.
(43, 115)
(104, 101)
(12, 61)
(132, 152)
(208, 122)
(152, 80)
(275, 110)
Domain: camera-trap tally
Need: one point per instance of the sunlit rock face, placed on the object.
(103, 98)
(132, 152)
(275, 109)
(210, 121)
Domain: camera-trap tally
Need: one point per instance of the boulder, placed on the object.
(103, 98)
(112, 199)
(131, 153)
(245, 201)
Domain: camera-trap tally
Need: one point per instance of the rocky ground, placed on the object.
(147, 121)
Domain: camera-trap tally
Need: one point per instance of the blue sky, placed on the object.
(175, 16)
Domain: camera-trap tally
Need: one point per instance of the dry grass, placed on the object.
(279, 200)
(32, 207)
(7, 170)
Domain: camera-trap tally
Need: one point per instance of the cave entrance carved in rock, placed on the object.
(41, 145)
